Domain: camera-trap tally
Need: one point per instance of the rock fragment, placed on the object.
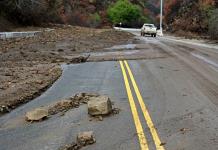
(100, 105)
(73, 146)
(79, 59)
(86, 138)
(4, 109)
(83, 139)
(37, 114)
(73, 102)
(84, 97)
(62, 106)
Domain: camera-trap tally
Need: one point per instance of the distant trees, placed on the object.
(28, 11)
(91, 13)
(126, 13)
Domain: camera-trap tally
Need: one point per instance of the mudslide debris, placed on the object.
(72, 102)
(79, 59)
(86, 138)
(37, 114)
(83, 139)
(41, 113)
(99, 106)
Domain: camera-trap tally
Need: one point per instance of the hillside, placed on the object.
(89, 13)
(194, 16)
(180, 16)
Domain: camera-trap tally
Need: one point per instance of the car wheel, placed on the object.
(155, 35)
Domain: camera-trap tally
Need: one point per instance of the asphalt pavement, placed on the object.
(167, 93)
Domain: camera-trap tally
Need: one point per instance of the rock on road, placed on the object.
(177, 82)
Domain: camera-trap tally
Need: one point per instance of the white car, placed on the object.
(149, 29)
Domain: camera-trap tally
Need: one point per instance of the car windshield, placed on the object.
(149, 25)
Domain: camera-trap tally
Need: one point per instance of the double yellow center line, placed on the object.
(147, 117)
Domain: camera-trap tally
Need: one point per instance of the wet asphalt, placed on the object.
(178, 90)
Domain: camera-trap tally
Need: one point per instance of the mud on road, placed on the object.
(28, 66)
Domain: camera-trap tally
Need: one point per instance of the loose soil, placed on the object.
(72, 102)
(28, 66)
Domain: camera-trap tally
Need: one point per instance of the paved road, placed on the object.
(168, 100)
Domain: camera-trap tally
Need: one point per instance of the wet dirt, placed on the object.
(28, 66)
(145, 53)
(19, 84)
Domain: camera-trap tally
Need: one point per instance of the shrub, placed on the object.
(95, 20)
(125, 12)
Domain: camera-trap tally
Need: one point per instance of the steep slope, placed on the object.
(92, 13)
(189, 15)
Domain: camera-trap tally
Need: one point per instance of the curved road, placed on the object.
(167, 92)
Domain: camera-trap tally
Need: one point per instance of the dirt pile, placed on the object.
(23, 82)
(28, 66)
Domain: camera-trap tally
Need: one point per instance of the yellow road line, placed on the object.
(138, 125)
(146, 114)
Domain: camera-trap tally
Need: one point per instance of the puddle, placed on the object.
(127, 46)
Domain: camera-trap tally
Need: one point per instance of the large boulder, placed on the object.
(100, 105)
(37, 114)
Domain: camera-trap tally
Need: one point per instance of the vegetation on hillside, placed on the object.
(126, 13)
(197, 16)
(91, 13)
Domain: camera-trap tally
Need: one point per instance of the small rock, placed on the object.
(79, 59)
(184, 130)
(162, 144)
(61, 106)
(83, 97)
(99, 106)
(39, 82)
(4, 109)
(86, 138)
(100, 118)
(73, 146)
(116, 111)
(37, 114)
